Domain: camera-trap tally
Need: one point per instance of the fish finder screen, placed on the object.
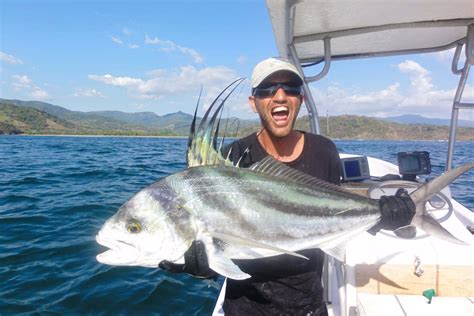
(352, 168)
(413, 163)
(410, 164)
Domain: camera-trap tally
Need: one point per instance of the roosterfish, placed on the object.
(265, 210)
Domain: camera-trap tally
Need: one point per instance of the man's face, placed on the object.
(277, 112)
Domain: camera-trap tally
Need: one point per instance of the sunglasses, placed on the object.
(271, 90)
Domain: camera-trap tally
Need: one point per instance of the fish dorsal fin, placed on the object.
(202, 142)
(273, 167)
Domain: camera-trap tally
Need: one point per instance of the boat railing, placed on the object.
(457, 104)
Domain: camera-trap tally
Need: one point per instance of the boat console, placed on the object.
(410, 165)
(366, 175)
(371, 177)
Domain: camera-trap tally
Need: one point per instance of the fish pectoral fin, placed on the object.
(239, 241)
(225, 267)
(222, 264)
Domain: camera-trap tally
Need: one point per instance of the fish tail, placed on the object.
(422, 218)
(202, 143)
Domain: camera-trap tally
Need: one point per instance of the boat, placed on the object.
(393, 273)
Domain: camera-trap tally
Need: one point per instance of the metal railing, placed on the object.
(457, 104)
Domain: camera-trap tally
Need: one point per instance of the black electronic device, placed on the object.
(411, 164)
(355, 168)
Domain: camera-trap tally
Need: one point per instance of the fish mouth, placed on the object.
(119, 253)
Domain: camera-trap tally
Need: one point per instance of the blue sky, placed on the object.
(154, 56)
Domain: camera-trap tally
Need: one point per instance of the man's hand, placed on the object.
(397, 211)
(195, 262)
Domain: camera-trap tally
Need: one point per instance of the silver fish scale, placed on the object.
(274, 211)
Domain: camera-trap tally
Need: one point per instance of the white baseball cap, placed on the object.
(269, 66)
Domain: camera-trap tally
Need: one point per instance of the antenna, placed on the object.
(327, 123)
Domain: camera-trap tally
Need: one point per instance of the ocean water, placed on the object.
(55, 194)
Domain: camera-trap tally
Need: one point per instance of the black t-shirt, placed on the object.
(283, 285)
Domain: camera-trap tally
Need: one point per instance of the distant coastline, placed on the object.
(94, 135)
(43, 119)
(186, 137)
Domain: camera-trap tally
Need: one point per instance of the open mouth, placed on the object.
(280, 115)
(119, 253)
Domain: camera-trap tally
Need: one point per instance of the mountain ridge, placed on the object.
(177, 124)
(418, 119)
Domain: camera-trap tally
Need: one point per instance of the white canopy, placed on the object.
(359, 28)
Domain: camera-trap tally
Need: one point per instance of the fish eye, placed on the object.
(134, 228)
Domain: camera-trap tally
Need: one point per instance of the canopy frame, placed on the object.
(290, 51)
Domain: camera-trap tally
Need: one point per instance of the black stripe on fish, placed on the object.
(205, 186)
(274, 200)
(172, 205)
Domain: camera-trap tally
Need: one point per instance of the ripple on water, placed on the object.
(55, 194)
(23, 198)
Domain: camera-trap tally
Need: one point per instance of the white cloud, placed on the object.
(390, 94)
(446, 56)
(39, 94)
(337, 100)
(10, 59)
(242, 59)
(119, 41)
(116, 81)
(419, 76)
(116, 40)
(88, 93)
(127, 31)
(24, 84)
(169, 46)
(422, 97)
(139, 106)
(155, 41)
(162, 83)
(21, 81)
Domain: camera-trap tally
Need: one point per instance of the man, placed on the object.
(281, 284)
(284, 284)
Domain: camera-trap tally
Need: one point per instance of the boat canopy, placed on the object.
(363, 28)
(309, 32)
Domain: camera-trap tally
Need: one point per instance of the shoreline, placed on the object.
(92, 135)
(185, 137)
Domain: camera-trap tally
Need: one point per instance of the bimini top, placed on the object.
(363, 28)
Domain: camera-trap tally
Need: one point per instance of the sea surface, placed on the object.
(55, 194)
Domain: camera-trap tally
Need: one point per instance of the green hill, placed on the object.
(71, 122)
(362, 127)
(31, 117)
(118, 123)
(84, 122)
(18, 120)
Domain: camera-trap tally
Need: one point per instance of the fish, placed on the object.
(244, 213)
